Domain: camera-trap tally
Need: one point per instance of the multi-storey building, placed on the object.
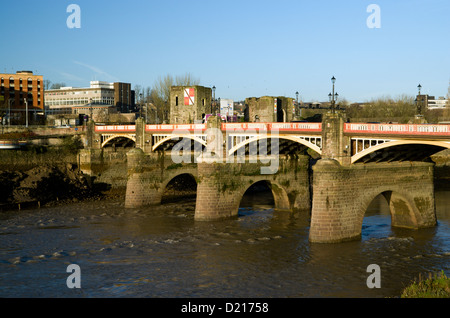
(21, 97)
(430, 102)
(67, 99)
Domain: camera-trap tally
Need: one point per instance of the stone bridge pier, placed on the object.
(342, 191)
(342, 195)
(148, 176)
(220, 186)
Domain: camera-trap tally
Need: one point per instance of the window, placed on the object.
(176, 101)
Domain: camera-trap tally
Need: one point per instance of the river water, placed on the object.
(163, 252)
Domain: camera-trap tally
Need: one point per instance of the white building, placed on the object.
(64, 99)
(439, 103)
(226, 107)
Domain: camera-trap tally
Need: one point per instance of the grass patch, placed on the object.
(437, 286)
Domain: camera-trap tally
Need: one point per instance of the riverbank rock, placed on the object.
(44, 184)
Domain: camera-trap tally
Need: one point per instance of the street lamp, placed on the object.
(419, 100)
(26, 112)
(9, 112)
(333, 96)
(298, 107)
(214, 99)
(140, 103)
(90, 109)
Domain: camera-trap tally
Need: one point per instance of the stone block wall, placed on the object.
(263, 109)
(221, 186)
(148, 176)
(343, 193)
(188, 112)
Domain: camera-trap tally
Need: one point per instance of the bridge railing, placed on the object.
(293, 127)
(286, 127)
(173, 127)
(398, 129)
(115, 128)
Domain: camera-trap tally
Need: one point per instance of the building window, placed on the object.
(176, 101)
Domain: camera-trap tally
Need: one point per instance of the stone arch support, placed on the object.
(149, 175)
(342, 195)
(221, 187)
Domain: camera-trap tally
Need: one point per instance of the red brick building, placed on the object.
(18, 93)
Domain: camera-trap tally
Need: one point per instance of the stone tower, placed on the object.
(189, 104)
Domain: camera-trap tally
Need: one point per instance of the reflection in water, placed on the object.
(163, 252)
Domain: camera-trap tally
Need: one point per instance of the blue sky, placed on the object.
(245, 48)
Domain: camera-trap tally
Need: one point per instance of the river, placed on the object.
(162, 252)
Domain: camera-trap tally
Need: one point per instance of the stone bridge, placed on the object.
(351, 165)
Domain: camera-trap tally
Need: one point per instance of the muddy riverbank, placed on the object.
(45, 184)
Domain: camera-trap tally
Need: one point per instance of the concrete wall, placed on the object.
(343, 193)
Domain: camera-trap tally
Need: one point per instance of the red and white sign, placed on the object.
(189, 96)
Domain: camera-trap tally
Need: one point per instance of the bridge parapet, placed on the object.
(422, 130)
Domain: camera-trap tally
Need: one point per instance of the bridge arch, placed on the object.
(394, 143)
(403, 209)
(280, 195)
(117, 136)
(179, 185)
(305, 141)
(174, 137)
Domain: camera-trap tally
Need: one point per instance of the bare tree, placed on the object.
(186, 80)
(57, 85)
(448, 95)
(47, 84)
(160, 92)
(137, 92)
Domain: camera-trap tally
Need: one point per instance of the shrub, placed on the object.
(432, 287)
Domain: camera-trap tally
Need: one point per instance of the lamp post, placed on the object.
(90, 109)
(299, 109)
(9, 112)
(140, 103)
(419, 101)
(333, 96)
(26, 112)
(214, 100)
